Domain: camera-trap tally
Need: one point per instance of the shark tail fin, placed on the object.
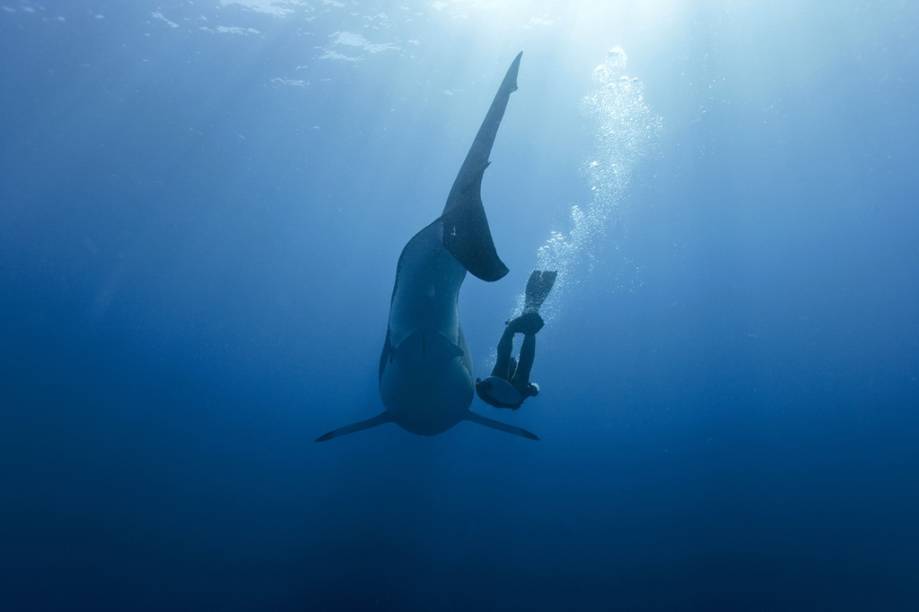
(379, 419)
(466, 232)
(468, 237)
(517, 431)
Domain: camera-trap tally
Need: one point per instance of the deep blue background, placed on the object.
(195, 267)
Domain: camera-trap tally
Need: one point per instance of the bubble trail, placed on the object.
(626, 129)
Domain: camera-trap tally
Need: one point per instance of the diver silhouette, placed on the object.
(509, 384)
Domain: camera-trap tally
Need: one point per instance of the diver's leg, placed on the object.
(527, 323)
(503, 360)
(525, 363)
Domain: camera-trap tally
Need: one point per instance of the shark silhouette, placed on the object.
(425, 376)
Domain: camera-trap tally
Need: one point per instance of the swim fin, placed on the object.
(538, 287)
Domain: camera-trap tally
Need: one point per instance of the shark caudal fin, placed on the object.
(517, 431)
(466, 232)
(379, 419)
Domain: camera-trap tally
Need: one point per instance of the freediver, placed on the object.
(509, 384)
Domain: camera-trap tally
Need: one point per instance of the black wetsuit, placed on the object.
(509, 384)
(510, 369)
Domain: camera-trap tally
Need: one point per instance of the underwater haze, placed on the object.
(202, 205)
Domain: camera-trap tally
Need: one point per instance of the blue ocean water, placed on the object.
(201, 209)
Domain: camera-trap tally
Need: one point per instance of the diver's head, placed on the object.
(533, 390)
(499, 392)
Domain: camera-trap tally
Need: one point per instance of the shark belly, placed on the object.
(426, 380)
(427, 398)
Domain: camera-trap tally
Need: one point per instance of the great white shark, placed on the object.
(425, 375)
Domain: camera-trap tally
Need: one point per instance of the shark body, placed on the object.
(425, 376)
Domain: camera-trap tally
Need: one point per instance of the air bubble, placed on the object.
(625, 130)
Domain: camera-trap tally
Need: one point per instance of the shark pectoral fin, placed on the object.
(517, 431)
(379, 419)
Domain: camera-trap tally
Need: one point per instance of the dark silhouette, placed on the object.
(509, 384)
